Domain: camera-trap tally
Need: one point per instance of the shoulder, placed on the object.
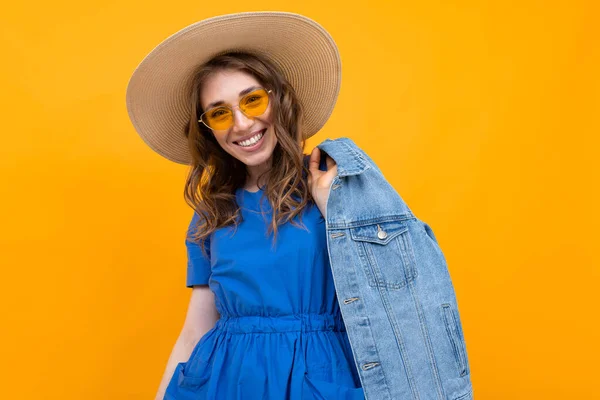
(195, 218)
(195, 222)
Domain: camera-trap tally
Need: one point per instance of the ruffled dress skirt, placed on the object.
(303, 357)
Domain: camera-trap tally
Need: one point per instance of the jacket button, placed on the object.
(382, 234)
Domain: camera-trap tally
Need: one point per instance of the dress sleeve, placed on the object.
(198, 266)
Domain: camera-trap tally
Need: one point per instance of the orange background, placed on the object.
(483, 115)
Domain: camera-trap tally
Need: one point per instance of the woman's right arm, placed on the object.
(201, 316)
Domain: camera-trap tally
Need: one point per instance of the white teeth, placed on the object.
(252, 140)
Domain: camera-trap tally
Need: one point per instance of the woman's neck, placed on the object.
(254, 172)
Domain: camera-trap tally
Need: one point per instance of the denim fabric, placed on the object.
(392, 282)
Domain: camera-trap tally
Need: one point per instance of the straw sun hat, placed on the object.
(158, 90)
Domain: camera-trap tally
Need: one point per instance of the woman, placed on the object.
(268, 325)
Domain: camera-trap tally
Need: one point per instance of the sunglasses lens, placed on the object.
(255, 104)
(218, 118)
(252, 105)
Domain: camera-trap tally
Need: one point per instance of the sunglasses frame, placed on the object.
(269, 91)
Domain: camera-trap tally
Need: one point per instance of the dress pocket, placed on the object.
(315, 389)
(191, 377)
(325, 383)
(191, 381)
(185, 387)
(386, 253)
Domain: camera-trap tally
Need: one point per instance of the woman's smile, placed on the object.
(254, 142)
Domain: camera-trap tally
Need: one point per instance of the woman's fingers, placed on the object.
(315, 159)
(313, 166)
(330, 163)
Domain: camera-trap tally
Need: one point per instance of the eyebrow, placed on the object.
(242, 93)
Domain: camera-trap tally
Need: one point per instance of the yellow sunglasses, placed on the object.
(252, 105)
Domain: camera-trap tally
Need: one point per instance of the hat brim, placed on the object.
(157, 92)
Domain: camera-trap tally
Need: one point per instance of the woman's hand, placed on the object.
(320, 181)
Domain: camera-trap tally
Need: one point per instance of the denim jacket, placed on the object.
(392, 282)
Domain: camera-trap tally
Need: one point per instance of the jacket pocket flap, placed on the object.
(381, 233)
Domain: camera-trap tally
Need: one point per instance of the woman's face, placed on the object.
(226, 86)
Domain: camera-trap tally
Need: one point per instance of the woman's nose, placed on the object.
(240, 121)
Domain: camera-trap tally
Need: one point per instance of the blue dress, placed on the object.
(281, 335)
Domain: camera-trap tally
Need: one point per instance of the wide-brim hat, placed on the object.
(158, 91)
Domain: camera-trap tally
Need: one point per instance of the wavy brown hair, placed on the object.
(215, 175)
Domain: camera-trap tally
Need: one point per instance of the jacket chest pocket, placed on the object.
(385, 253)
